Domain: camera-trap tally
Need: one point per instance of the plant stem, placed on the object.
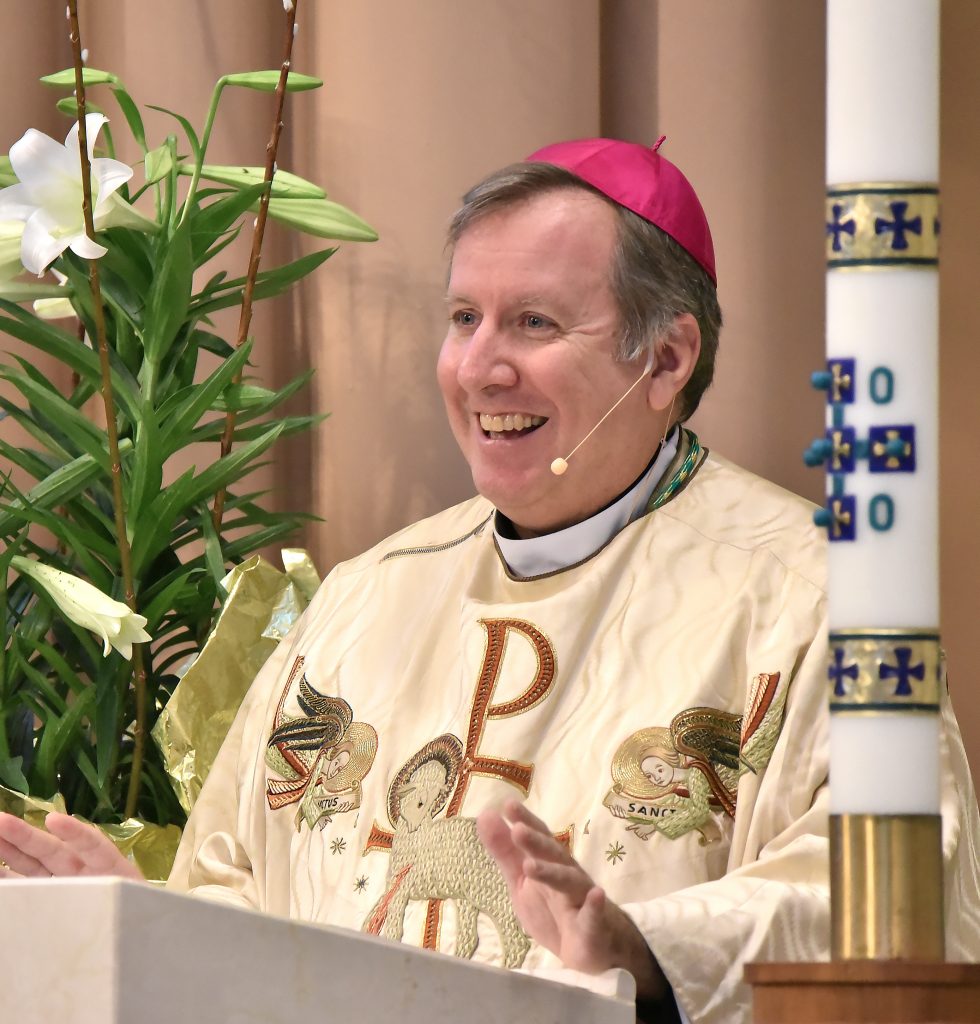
(205, 139)
(119, 509)
(245, 320)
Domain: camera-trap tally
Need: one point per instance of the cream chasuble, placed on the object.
(661, 704)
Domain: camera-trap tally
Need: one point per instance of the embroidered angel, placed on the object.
(675, 780)
(321, 755)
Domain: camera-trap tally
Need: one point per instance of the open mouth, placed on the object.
(510, 425)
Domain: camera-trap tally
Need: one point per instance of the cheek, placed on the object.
(446, 371)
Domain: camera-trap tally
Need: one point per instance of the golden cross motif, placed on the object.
(841, 518)
(839, 381)
(880, 448)
(841, 449)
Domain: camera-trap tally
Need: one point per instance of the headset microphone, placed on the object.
(560, 465)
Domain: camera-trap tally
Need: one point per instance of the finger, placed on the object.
(539, 845)
(516, 812)
(567, 880)
(7, 872)
(32, 851)
(495, 834)
(97, 854)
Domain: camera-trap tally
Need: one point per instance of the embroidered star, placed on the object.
(361, 884)
(338, 845)
(616, 852)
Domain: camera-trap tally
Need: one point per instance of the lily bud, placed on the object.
(87, 606)
(284, 184)
(323, 218)
(268, 81)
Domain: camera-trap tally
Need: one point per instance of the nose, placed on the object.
(486, 361)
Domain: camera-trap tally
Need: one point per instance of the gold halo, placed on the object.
(361, 741)
(626, 773)
(448, 751)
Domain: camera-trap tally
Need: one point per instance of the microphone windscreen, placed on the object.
(559, 466)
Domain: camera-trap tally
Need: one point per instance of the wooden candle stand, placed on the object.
(865, 992)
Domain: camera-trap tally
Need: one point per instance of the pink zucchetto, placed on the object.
(643, 181)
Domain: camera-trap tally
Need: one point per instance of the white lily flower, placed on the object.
(10, 236)
(88, 607)
(48, 195)
(55, 308)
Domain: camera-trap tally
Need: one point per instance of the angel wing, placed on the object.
(299, 740)
(762, 720)
(711, 740)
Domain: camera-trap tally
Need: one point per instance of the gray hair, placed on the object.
(654, 279)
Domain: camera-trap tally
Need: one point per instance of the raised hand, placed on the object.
(560, 906)
(65, 847)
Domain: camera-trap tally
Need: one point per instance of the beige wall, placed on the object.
(421, 99)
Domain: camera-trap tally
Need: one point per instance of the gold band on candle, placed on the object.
(886, 885)
(884, 670)
(882, 224)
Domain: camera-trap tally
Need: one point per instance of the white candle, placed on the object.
(883, 127)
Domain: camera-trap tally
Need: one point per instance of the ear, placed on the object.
(676, 356)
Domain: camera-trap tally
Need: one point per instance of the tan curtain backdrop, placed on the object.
(422, 99)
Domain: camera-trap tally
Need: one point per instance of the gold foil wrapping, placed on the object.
(885, 670)
(261, 607)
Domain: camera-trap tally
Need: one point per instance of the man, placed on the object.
(510, 664)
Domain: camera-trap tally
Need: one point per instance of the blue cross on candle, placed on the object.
(839, 673)
(903, 671)
(899, 226)
(837, 227)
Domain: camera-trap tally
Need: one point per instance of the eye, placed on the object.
(463, 318)
(536, 322)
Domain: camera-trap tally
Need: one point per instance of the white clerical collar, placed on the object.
(536, 556)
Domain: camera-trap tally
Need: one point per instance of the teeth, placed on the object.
(509, 421)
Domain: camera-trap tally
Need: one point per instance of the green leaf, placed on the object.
(7, 176)
(158, 163)
(90, 76)
(11, 774)
(213, 557)
(58, 733)
(96, 784)
(323, 218)
(131, 113)
(250, 401)
(211, 221)
(170, 295)
(15, 291)
(58, 487)
(188, 491)
(106, 727)
(180, 414)
(75, 425)
(267, 283)
(67, 348)
(146, 477)
(267, 81)
(213, 430)
(192, 138)
(284, 184)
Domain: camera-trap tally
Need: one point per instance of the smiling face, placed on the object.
(528, 365)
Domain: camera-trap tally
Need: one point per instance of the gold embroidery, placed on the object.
(322, 755)
(674, 780)
(447, 859)
(615, 853)
(438, 859)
